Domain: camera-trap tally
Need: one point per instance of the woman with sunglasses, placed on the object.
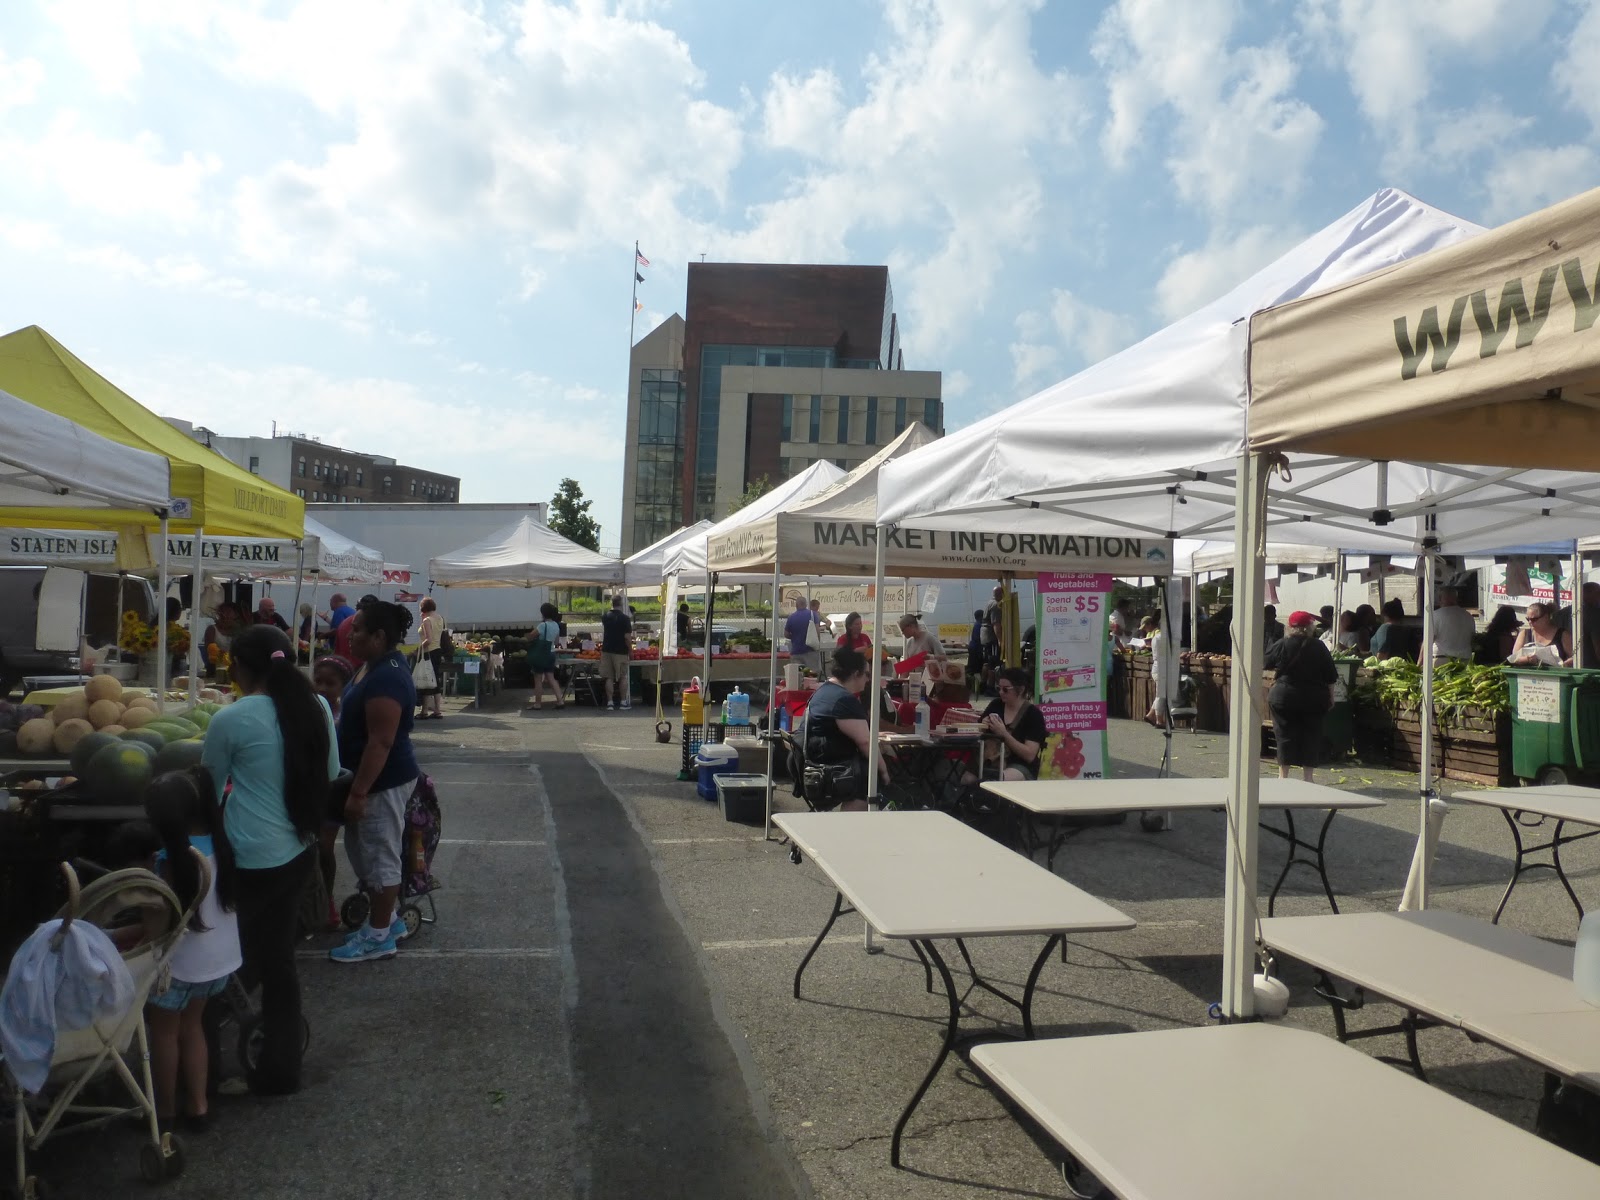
(1542, 642)
(1014, 722)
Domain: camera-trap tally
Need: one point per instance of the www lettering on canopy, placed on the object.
(1438, 341)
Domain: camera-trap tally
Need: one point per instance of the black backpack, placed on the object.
(447, 645)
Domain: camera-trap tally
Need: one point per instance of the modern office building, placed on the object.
(771, 368)
(323, 474)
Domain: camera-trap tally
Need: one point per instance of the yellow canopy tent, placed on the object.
(223, 498)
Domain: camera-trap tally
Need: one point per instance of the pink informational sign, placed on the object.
(1072, 664)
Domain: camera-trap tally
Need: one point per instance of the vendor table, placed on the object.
(921, 876)
(1496, 985)
(1085, 797)
(1207, 1114)
(1565, 804)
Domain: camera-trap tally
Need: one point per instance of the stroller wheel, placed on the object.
(152, 1163)
(355, 909)
(173, 1151)
(411, 916)
(794, 854)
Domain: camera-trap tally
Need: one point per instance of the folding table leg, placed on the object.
(839, 909)
(951, 1024)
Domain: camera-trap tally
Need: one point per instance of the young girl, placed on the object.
(182, 806)
(329, 678)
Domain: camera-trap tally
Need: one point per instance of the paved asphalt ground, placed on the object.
(604, 1009)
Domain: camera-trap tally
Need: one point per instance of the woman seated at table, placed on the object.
(837, 733)
(1542, 642)
(1014, 722)
(852, 638)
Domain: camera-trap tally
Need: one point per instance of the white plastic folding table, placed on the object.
(1264, 1112)
(923, 876)
(1057, 798)
(1565, 804)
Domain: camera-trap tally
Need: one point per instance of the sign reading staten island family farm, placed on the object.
(1070, 673)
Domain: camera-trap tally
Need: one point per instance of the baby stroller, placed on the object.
(120, 901)
(419, 839)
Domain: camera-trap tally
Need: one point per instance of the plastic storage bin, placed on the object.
(1555, 723)
(715, 758)
(742, 798)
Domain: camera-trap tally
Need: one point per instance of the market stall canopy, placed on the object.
(329, 557)
(524, 554)
(649, 564)
(1484, 352)
(220, 496)
(835, 534)
(52, 463)
(1149, 439)
(688, 560)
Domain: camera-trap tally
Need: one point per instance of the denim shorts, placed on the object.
(180, 993)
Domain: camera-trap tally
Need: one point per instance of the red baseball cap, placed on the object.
(1300, 617)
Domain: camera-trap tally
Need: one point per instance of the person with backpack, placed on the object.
(542, 656)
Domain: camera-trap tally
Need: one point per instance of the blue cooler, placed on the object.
(715, 758)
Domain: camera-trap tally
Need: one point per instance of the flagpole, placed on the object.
(633, 309)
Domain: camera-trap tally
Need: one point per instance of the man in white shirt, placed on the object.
(1453, 628)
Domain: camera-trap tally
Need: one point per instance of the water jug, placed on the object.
(924, 719)
(1586, 959)
(736, 708)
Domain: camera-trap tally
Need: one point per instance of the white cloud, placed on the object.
(19, 81)
(1530, 179)
(1236, 129)
(1195, 279)
(953, 135)
(1574, 73)
(1073, 324)
(135, 178)
(1391, 53)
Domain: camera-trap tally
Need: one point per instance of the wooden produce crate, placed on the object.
(1473, 748)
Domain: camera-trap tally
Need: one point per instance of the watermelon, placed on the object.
(179, 756)
(173, 728)
(86, 748)
(118, 774)
(198, 717)
(144, 737)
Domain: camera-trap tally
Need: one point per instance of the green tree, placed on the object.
(753, 491)
(569, 515)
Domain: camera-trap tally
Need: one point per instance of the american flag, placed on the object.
(641, 259)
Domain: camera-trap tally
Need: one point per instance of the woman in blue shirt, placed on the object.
(275, 746)
(375, 720)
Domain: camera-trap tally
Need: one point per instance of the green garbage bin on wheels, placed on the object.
(1555, 723)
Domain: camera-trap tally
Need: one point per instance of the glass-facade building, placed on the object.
(658, 459)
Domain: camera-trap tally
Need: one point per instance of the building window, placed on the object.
(930, 414)
(301, 492)
(872, 420)
(899, 415)
(387, 485)
(316, 468)
(302, 469)
(816, 419)
(843, 436)
(359, 475)
(255, 465)
(413, 487)
(788, 418)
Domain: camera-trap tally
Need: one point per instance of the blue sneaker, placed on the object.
(365, 945)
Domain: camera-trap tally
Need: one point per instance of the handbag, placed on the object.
(422, 674)
(541, 651)
(828, 785)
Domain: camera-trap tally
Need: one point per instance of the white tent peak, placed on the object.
(1183, 388)
(856, 495)
(688, 559)
(526, 553)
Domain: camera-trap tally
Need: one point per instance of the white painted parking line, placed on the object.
(699, 840)
(774, 943)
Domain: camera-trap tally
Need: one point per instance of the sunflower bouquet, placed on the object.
(138, 636)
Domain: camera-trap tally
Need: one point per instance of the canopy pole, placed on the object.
(161, 624)
(1194, 611)
(196, 587)
(1338, 594)
(1425, 788)
(1244, 740)
(711, 606)
(299, 585)
(1578, 631)
(772, 704)
(875, 716)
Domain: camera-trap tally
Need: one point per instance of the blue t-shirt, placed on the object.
(337, 617)
(244, 744)
(388, 678)
(795, 629)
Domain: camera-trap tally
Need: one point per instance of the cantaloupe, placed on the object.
(71, 707)
(37, 736)
(144, 702)
(103, 687)
(69, 733)
(113, 729)
(136, 716)
(104, 712)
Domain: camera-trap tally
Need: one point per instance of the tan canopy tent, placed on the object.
(1484, 352)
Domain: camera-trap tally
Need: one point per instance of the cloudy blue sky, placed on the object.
(406, 226)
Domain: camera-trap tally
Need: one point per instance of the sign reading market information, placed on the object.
(1070, 683)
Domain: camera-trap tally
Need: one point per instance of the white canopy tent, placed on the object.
(688, 559)
(1156, 439)
(525, 554)
(650, 563)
